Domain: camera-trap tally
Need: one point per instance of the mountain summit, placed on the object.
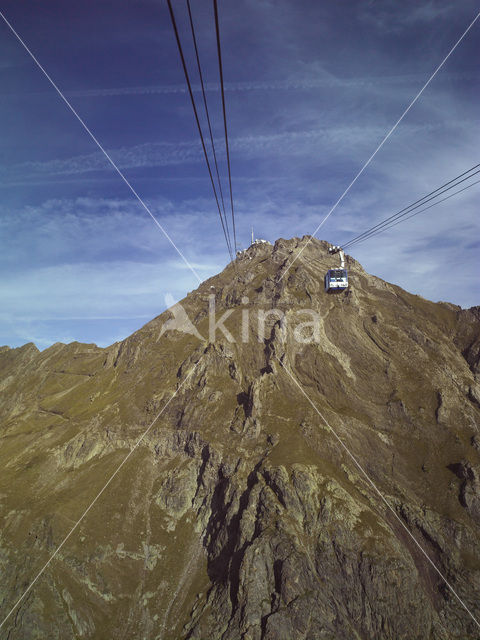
(303, 465)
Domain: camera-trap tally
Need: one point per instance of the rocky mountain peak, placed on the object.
(240, 513)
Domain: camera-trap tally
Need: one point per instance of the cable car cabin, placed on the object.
(336, 280)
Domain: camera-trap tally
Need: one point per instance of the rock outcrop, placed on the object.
(288, 476)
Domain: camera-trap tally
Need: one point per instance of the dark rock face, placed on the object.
(247, 511)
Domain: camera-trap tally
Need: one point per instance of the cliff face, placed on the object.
(241, 513)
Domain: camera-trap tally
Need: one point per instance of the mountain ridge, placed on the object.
(238, 516)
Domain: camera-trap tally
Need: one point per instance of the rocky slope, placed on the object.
(241, 513)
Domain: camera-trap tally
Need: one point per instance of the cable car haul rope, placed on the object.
(222, 214)
(416, 207)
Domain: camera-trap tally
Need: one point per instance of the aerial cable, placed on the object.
(184, 65)
(420, 211)
(418, 203)
(220, 66)
(207, 113)
(415, 205)
(405, 216)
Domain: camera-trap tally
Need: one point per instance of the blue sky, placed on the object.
(311, 90)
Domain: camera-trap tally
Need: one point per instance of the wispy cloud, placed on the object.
(305, 79)
(137, 156)
(327, 140)
(294, 83)
(391, 17)
(69, 231)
